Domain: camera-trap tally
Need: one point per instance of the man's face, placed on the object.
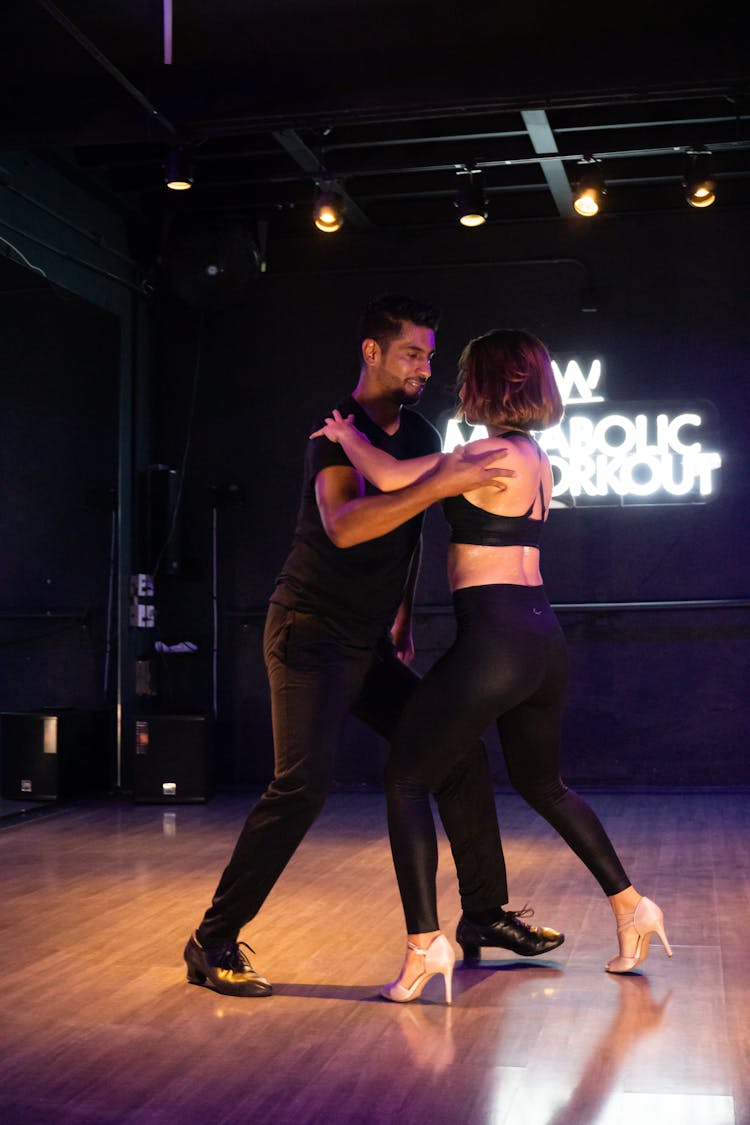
(402, 370)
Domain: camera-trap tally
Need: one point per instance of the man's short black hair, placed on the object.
(383, 318)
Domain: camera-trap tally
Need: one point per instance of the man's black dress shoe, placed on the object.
(226, 969)
(509, 932)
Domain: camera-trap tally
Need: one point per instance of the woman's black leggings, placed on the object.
(508, 664)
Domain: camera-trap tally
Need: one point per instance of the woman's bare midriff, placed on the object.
(473, 565)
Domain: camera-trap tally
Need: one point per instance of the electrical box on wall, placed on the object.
(142, 608)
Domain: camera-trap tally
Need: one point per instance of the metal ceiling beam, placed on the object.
(737, 121)
(544, 143)
(448, 165)
(231, 125)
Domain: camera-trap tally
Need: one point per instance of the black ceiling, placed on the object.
(388, 98)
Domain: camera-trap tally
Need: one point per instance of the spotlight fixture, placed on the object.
(470, 200)
(328, 209)
(589, 189)
(178, 174)
(699, 184)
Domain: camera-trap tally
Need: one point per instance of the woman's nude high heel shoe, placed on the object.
(438, 958)
(646, 919)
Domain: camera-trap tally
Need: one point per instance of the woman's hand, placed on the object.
(337, 428)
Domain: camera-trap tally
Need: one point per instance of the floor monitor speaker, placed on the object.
(173, 759)
(53, 755)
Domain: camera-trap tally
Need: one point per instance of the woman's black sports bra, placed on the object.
(470, 524)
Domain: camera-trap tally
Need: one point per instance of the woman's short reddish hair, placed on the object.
(507, 380)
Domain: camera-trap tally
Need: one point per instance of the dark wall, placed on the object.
(58, 466)
(658, 694)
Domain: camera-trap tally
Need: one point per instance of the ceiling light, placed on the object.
(470, 200)
(699, 184)
(589, 190)
(328, 210)
(178, 174)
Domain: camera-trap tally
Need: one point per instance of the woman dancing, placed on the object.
(508, 663)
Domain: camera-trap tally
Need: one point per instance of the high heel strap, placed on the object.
(438, 958)
(625, 921)
(647, 919)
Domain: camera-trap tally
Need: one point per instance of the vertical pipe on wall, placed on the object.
(132, 455)
(124, 535)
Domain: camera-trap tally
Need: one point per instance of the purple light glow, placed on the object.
(167, 10)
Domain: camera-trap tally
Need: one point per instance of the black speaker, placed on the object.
(173, 759)
(159, 546)
(52, 755)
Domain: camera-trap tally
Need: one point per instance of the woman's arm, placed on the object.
(385, 472)
(349, 517)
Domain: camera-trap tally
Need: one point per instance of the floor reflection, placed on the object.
(638, 1014)
(428, 1034)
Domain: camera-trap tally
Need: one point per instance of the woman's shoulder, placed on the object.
(530, 468)
(514, 443)
(482, 445)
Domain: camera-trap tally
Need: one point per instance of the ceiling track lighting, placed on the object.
(699, 184)
(590, 189)
(329, 208)
(470, 199)
(178, 172)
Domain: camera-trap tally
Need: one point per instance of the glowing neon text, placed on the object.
(647, 457)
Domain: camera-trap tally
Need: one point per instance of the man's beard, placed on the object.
(405, 398)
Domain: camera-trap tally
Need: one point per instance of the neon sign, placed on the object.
(642, 453)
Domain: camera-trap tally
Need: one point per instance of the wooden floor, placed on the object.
(98, 1024)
